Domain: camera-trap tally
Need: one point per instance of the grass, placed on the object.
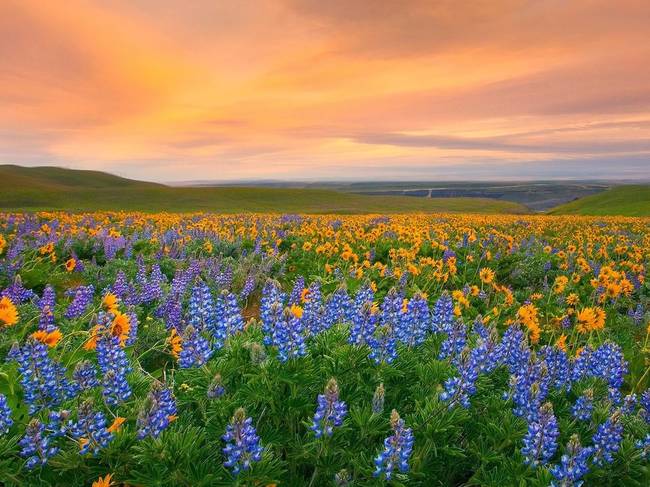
(47, 188)
(629, 200)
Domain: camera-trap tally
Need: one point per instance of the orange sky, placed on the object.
(304, 89)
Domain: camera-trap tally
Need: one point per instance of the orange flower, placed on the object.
(70, 264)
(50, 339)
(561, 343)
(175, 342)
(110, 302)
(487, 275)
(296, 310)
(8, 312)
(103, 482)
(116, 425)
(590, 319)
(120, 327)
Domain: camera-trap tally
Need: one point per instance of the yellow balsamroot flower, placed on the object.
(207, 246)
(612, 290)
(120, 327)
(116, 425)
(528, 315)
(560, 284)
(307, 246)
(572, 299)
(3, 243)
(175, 343)
(70, 264)
(486, 275)
(48, 338)
(590, 319)
(8, 312)
(561, 342)
(296, 310)
(103, 482)
(110, 302)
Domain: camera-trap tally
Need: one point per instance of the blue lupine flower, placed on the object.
(16, 291)
(43, 380)
(459, 389)
(637, 314)
(644, 446)
(46, 306)
(540, 442)
(629, 403)
(216, 388)
(574, 465)
(338, 308)
(36, 444)
(82, 297)
(158, 411)
(455, 341)
(608, 363)
(330, 411)
(397, 449)
(121, 287)
(557, 366)
(363, 326)
(90, 429)
(383, 345)
(607, 439)
(296, 292)
(644, 404)
(443, 314)
(313, 314)
(271, 306)
(289, 337)
(196, 350)
(242, 443)
(85, 375)
(6, 420)
(114, 364)
(514, 349)
(248, 287)
(415, 323)
(584, 406)
(378, 399)
(201, 310)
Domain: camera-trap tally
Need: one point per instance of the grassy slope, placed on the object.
(621, 200)
(54, 188)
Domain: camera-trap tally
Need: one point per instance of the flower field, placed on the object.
(294, 350)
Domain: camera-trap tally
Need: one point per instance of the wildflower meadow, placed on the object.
(294, 350)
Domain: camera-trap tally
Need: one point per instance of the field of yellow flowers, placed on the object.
(294, 350)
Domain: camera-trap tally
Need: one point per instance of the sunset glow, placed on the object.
(303, 89)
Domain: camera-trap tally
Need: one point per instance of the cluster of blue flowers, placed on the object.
(43, 380)
(82, 298)
(6, 421)
(397, 449)
(90, 429)
(158, 411)
(242, 443)
(114, 364)
(330, 412)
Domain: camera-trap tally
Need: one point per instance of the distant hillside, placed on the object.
(632, 200)
(49, 188)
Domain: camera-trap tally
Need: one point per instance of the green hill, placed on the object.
(49, 188)
(632, 200)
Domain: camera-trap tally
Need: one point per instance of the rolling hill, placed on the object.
(51, 188)
(629, 200)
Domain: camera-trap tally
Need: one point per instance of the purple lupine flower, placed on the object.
(363, 326)
(114, 364)
(574, 465)
(442, 318)
(288, 337)
(196, 350)
(43, 380)
(540, 442)
(330, 411)
(296, 292)
(415, 323)
(85, 375)
(82, 298)
(584, 406)
(644, 446)
(397, 449)
(607, 439)
(383, 345)
(46, 306)
(459, 389)
(36, 444)
(242, 443)
(454, 343)
(90, 429)
(6, 420)
(216, 388)
(158, 411)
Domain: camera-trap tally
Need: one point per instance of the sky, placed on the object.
(171, 90)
